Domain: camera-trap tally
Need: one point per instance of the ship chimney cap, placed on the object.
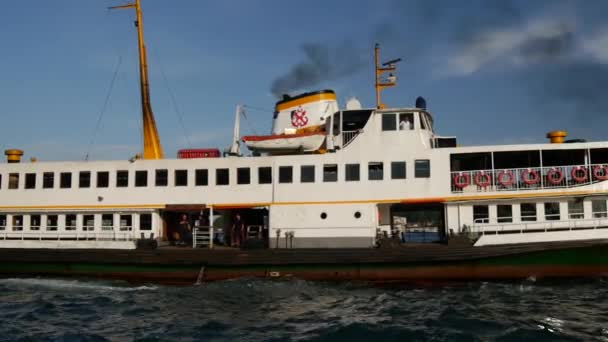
(557, 137)
(13, 155)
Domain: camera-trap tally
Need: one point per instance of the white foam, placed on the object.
(73, 284)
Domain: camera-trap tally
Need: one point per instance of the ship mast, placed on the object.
(151, 140)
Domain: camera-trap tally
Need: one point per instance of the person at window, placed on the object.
(405, 124)
(237, 233)
(185, 232)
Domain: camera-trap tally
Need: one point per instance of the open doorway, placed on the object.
(419, 223)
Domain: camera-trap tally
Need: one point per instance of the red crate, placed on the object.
(190, 153)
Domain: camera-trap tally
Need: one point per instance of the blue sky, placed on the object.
(492, 72)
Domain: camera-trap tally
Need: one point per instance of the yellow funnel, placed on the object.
(557, 137)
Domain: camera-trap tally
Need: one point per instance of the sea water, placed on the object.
(265, 310)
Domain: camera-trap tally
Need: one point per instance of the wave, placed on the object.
(73, 284)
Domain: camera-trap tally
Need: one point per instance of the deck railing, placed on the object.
(202, 236)
(349, 136)
(66, 235)
(532, 178)
(598, 222)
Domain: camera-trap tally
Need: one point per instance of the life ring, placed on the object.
(505, 182)
(579, 177)
(555, 176)
(461, 180)
(600, 172)
(482, 179)
(530, 177)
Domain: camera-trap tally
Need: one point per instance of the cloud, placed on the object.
(540, 41)
(596, 46)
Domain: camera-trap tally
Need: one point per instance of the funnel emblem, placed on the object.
(299, 118)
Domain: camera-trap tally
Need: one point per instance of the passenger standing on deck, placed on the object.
(185, 231)
(238, 231)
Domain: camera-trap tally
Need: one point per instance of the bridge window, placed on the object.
(122, 179)
(35, 222)
(103, 179)
(107, 222)
(528, 212)
(88, 222)
(504, 213)
(52, 222)
(264, 175)
(389, 122)
(181, 177)
(406, 121)
(201, 177)
(243, 175)
(307, 174)
(30, 181)
(13, 180)
(422, 168)
(84, 179)
(598, 208)
(162, 177)
(141, 178)
(222, 177)
(481, 214)
(575, 209)
(145, 222)
(552, 211)
(398, 170)
(375, 171)
(48, 180)
(285, 174)
(330, 173)
(70, 222)
(352, 172)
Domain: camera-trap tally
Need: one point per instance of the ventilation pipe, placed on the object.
(13, 155)
(556, 137)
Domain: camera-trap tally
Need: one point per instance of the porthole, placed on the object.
(323, 216)
(357, 214)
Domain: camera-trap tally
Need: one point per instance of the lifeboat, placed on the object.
(297, 142)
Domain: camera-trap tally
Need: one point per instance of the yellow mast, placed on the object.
(391, 80)
(151, 144)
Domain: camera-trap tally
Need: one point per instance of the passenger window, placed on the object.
(88, 222)
(352, 172)
(264, 175)
(201, 177)
(48, 180)
(398, 170)
(222, 177)
(65, 180)
(528, 212)
(504, 213)
(481, 214)
(375, 171)
(141, 178)
(389, 122)
(598, 208)
(330, 173)
(181, 177)
(2, 221)
(35, 222)
(122, 179)
(552, 211)
(126, 223)
(84, 179)
(145, 222)
(107, 222)
(575, 209)
(70, 222)
(30, 181)
(103, 179)
(0, 181)
(422, 168)
(18, 222)
(285, 174)
(162, 177)
(307, 174)
(243, 175)
(52, 222)
(13, 180)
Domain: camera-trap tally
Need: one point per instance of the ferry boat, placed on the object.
(355, 193)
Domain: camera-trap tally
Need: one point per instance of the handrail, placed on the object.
(524, 226)
(349, 136)
(66, 235)
(203, 235)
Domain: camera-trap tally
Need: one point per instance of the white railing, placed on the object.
(532, 178)
(539, 226)
(202, 236)
(67, 235)
(349, 136)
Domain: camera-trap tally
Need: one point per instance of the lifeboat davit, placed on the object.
(297, 142)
